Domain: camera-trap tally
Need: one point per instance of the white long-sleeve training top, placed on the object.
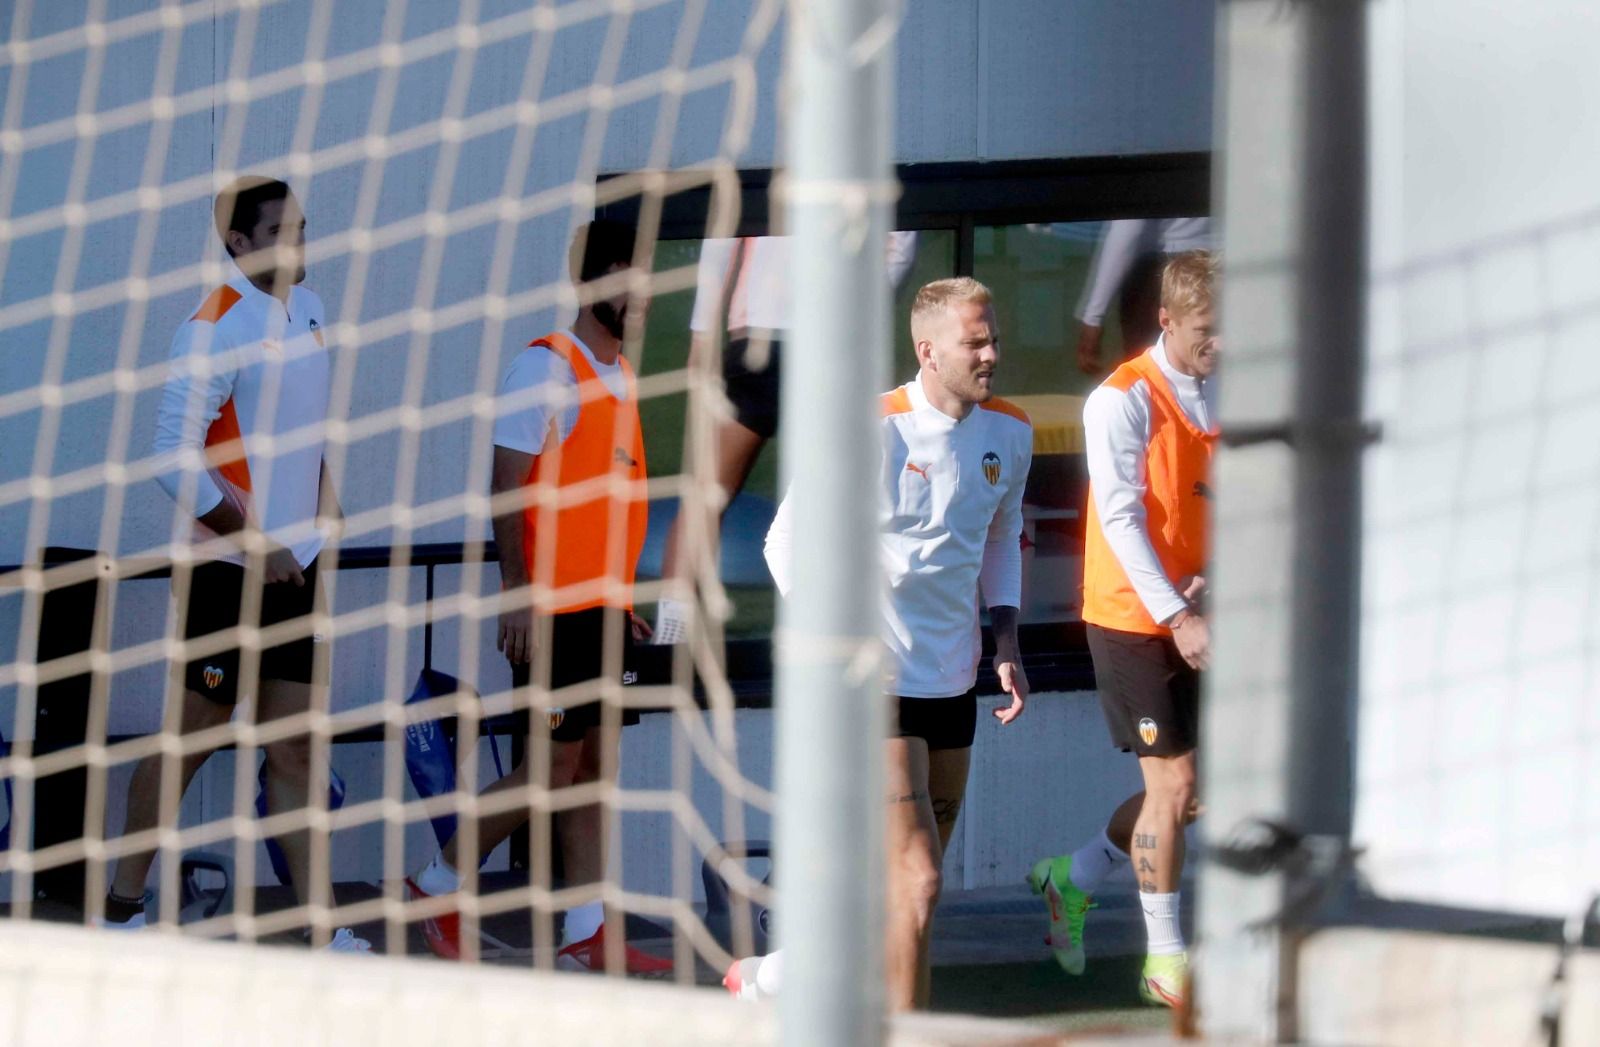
(1116, 437)
(249, 371)
(950, 527)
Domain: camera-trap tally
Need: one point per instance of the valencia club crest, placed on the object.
(991, 467)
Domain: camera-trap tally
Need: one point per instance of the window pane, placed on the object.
(931, 255)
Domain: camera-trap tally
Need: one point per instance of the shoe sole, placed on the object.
(1154, 995)
(574, 965)
(432, 934)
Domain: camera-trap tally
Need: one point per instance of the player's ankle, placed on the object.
(439, 877)
(1162, 929)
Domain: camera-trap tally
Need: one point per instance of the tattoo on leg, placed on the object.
(1145, 865)
(1148, 887)
(946, 811)
(1145, 840)
(911, 797)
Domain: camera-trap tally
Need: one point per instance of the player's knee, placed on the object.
(289, 758)
(1171, 792)
(588, 768)
(566, 758)
(923, 882)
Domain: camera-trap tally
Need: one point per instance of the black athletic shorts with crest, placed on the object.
(1149, 694)
(577, 655)
(216, 594)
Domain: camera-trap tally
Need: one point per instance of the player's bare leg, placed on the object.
(925, 790)
(1158, 841)
(914, 859)
(947, 786)
(580, 829)
(498, 825)
(289, 774)
(1158, 852)
(1120, 827)
(197, 713)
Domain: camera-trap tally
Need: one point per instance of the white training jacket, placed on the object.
(246, 368)
(951, 525)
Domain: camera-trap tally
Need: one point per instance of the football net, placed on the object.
(445, 156)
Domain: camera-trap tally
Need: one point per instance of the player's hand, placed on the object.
(1193, 590)
(281, 566)
(641, 628)
(516, 634)
(1013, 681)
(1193, 637)
(1089, 348)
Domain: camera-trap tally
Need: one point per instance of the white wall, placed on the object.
(1041, 786)
(987, 80)
(1480, 718)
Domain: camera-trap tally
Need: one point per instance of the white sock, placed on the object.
(582, 922)
(672, 622)
(439, 876)
(1094, 861)
(1161, 923)
(769, 974)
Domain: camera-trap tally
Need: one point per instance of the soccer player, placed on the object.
(955, 462)
(1149, 430)
(747, 280)
(239, 433)
(568, 424)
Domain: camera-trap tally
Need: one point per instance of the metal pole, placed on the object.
(1280, 697)
(831, 717)
(1329, 370)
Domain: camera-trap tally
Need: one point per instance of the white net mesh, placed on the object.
(444, 155)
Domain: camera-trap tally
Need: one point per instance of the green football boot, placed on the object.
(1051, 878)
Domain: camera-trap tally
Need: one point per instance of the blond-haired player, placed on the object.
(955, 461)
(1149, 430)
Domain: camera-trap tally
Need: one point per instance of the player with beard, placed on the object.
(568, 421)
(955, 461)
(239, 439)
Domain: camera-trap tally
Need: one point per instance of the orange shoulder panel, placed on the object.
(556, 344)
(216, 305)
(995, 403)
(895, 401)
(1126, 376)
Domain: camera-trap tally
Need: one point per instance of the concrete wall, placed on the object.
(986, 80)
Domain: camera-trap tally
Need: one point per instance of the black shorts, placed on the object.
(216, 592)
(753, 390)
(577, 654)
(1149, 694)
(944, 723)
